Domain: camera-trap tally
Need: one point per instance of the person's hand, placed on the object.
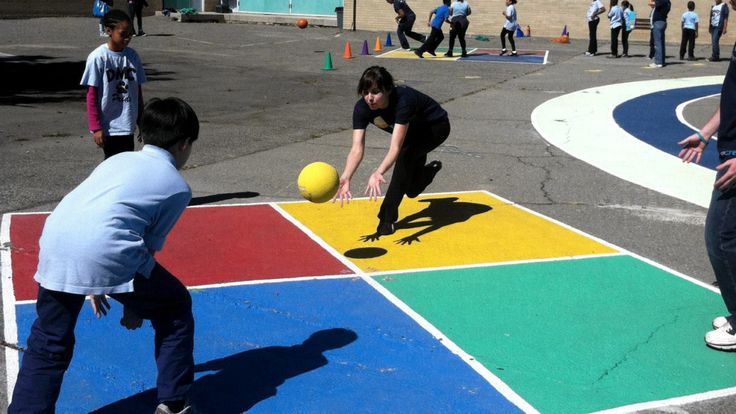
(343, 192)
(429, 24)
(692, 149)
(99, 305)
(99, 138)
(373, 190)
(727, 180)
(130, 319)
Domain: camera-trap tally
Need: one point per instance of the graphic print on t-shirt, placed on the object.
(380, 122)
(123, 77)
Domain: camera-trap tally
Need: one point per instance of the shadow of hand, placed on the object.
(408, 240)
(370, 237)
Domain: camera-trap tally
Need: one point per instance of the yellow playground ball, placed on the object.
(318, 182)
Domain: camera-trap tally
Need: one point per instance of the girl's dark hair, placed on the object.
(375, 76)
(165, 122)
(625, 4)
(691, 5)
(115, 16)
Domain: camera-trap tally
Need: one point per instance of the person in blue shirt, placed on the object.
(459, 12)
(630, 19)
(417, 124)
(616, 15)
(690, 23)
(440, 14)
(100, 240)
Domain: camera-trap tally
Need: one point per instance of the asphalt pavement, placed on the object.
(267, 108)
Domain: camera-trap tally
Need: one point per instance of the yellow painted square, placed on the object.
(442, 230)
(409, 54)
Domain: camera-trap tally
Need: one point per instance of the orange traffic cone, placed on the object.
(378, 45)
(348, 53)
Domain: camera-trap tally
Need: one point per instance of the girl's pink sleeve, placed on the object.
(93, 110)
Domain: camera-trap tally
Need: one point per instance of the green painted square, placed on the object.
(577, 336)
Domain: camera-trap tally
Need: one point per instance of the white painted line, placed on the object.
(581, 123)
(681, 109)
(672, 401)
(10, 331)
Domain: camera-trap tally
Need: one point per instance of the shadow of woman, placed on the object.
(240, 381)
(440, 212)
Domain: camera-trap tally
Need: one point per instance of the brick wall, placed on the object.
(19, 9)
(545, 18)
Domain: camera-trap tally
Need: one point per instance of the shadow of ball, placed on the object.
(365, 252)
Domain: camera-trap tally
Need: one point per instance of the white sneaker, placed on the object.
(723, 338)
(589, 54)
(719, 322)
(654, 65)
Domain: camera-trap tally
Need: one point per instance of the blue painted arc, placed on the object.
(653, 119)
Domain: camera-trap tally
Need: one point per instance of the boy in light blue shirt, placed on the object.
(100, 240)
(689, 31)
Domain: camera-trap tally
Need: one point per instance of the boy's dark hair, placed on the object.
(375, 76)
(513, 1)
(625, 4)
(165, 122)
(691, 5)
(115, 16)
(446, 2)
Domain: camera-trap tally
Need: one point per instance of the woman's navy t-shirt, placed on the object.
(406, 106)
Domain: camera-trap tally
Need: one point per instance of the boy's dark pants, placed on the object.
(409, 170)
(162, 299)
(688, 41)
(404, 29)
(435, 38)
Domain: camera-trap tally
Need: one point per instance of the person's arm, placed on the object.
(429, 19)
(724, 16)
(696, 28)
(355, 156)
(93, 116)
(693, 146)
(467, 13)
(373, 190)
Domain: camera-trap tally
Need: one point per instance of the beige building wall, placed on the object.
(545, 18)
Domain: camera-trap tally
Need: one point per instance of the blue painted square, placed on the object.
(319, 346)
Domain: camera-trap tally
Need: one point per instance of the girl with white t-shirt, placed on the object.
(509, 27)
(113, 76)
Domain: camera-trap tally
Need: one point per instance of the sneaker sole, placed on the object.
(722, 347)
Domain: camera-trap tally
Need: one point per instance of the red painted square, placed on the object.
(208, 245)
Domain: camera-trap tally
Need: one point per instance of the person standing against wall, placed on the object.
(718, 26)
(596, 8)
(616, 15)
(405, 18)
(659, 25)
(689, 32)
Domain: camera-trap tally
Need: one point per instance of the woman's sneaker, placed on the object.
(723, 338)
(385, 229)
(503, 52)
(719, 322)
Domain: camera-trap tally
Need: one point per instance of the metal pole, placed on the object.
(355, 11)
